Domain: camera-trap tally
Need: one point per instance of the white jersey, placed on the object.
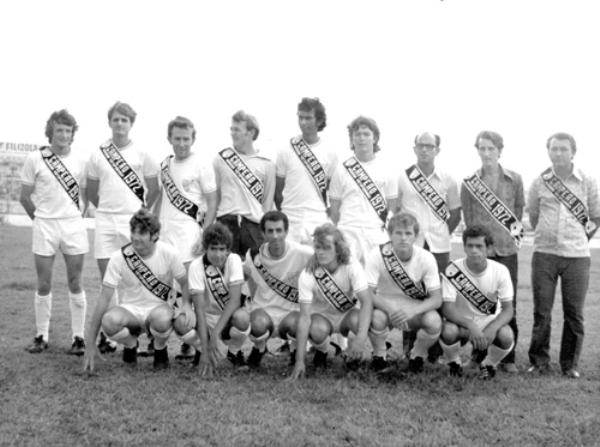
(195, 179)
(286, 269)
(355, 209)
(494, 282)
(49, 197)
(300, 194)
(235, 197)
(164, 263)
(350, 278)
(114, 196)
(421, 268)
(233, 274)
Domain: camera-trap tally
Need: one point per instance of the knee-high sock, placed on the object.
(451, 352)
(322, 346)
(77, 303)
(340, 340)
(125, 338)
(193, 339)
(378, 339)
(42, 306)
(261, 341)
(237, 339)
(423, 342)
(160, 338)
(495, 354)
(292, 341)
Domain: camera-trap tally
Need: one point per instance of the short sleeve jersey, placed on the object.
(494, 282)
(49, 197)
(194, 178)
(355, 209)
(232, 274)
(421, 268)
(164, 263)
(114, 195)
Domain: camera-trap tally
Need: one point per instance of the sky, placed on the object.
(525, 69)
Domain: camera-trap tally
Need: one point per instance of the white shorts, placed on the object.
(112, 232)
(363, 240)
(141, 313)
(303, 227)
(69, 236)
(182, 235)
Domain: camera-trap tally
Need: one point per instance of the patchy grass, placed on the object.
(47, 400)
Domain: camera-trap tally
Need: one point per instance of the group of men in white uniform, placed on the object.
(357, 249)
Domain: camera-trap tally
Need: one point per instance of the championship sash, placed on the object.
(568, 199)
(312, 165)
(495, 207)
(396, 270)
(282, 289)
(463, 285)
(61, 173)
(177, 199)
(332, 292)
(428, 193)
(144, 274)
(123, 170)
(367, 186)
(216, 283)
(252, 183)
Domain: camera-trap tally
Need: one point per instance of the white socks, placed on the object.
(423, 342)
(42, 306)
(77, 303)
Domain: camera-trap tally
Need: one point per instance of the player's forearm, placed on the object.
(452, 315)
(432, 303)
(211, 209)
(364, 319)
(232, 305)
(201, 326)
(454, 220)
(278, 197)
(502, 319)
(152, 195)
(28, 206)
(302, 337)
(92, 191)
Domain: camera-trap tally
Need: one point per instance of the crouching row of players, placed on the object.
(303, 294)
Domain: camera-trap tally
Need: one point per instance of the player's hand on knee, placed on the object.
(477, 338)
(188, 315)
(489, 335)
(399, 319)
(356, 349)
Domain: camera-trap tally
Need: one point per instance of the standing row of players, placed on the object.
(308, 185)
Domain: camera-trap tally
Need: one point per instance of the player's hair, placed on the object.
(477, 231)
(274, 216)
(367, 122)
(181, 122)
(405, 220)
(124, 109)
(60, 117)
(342, 250)
(314, 105)
(217, 234)
(562, 136)
(251, 123)
(494, 137)
(436, 137)
(144, 221)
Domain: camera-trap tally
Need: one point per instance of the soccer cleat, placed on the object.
(455, 369)
(378, 363)
(415, 365)
(292, 361)
(320, 359)
(572, 373)
(38, 345)
(236, 360)
(78, 346)
(538, 369)
(186, 352)
(130, 355)
(196, 360)
(487, 372)
(105, 346)
(255, 357)
(161, 358)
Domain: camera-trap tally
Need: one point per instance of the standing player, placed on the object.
(121, 178)
(52, 180)
(273, 272)
(493, 197)
(478, 305)
(329, 289)
(145, 269)
(304, 170)
(245, 184)
(363, 190)
(564, 210)
(405, 284)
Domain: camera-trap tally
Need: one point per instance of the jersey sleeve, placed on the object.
(372, 268)
(236, 270)
(505, 287)
(448, 291)
(28, 171)
(150, 166)
(358, 278)
(114, 269)
(281, 165)
(431, 276)
(336, 187)
(306, 284)
(196, 276)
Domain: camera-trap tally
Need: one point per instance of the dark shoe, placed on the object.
(196, 360)
(538, 369)
(186, 352)
(38, 345)
(149, 352)
(292, 358)
(455, 369)
(434, 353)
(415, 365)
(161, 358)
(105, 346)
(336, 347)
(285, 347)
(572, 373)
(236, 360)
(130, 355)
(320, 359)
(255, 357)
(487, 372)
(78, 347)
(378, 363)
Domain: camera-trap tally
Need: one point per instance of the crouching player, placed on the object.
(273, 272)
(406, 289)
(472, 289)
(329, 289)
(215, 281)
(144, 269)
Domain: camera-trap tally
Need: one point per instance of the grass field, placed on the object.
(47, 400)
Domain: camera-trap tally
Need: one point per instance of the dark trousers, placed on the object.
(574, 274)
(512, 264)
(246, 234)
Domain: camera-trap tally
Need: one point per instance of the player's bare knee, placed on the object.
(288, 325)
(380, 320)
(112, 322)
(504, 337)
(260, 323)
(431, 322)
(320, 329)
(74, 284)
(180, 327)
(161, 318)
(240, 319)
(450, 332)
(350, 323)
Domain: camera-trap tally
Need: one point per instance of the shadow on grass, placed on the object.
(19, 285)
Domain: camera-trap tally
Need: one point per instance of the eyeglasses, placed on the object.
(426, 147)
